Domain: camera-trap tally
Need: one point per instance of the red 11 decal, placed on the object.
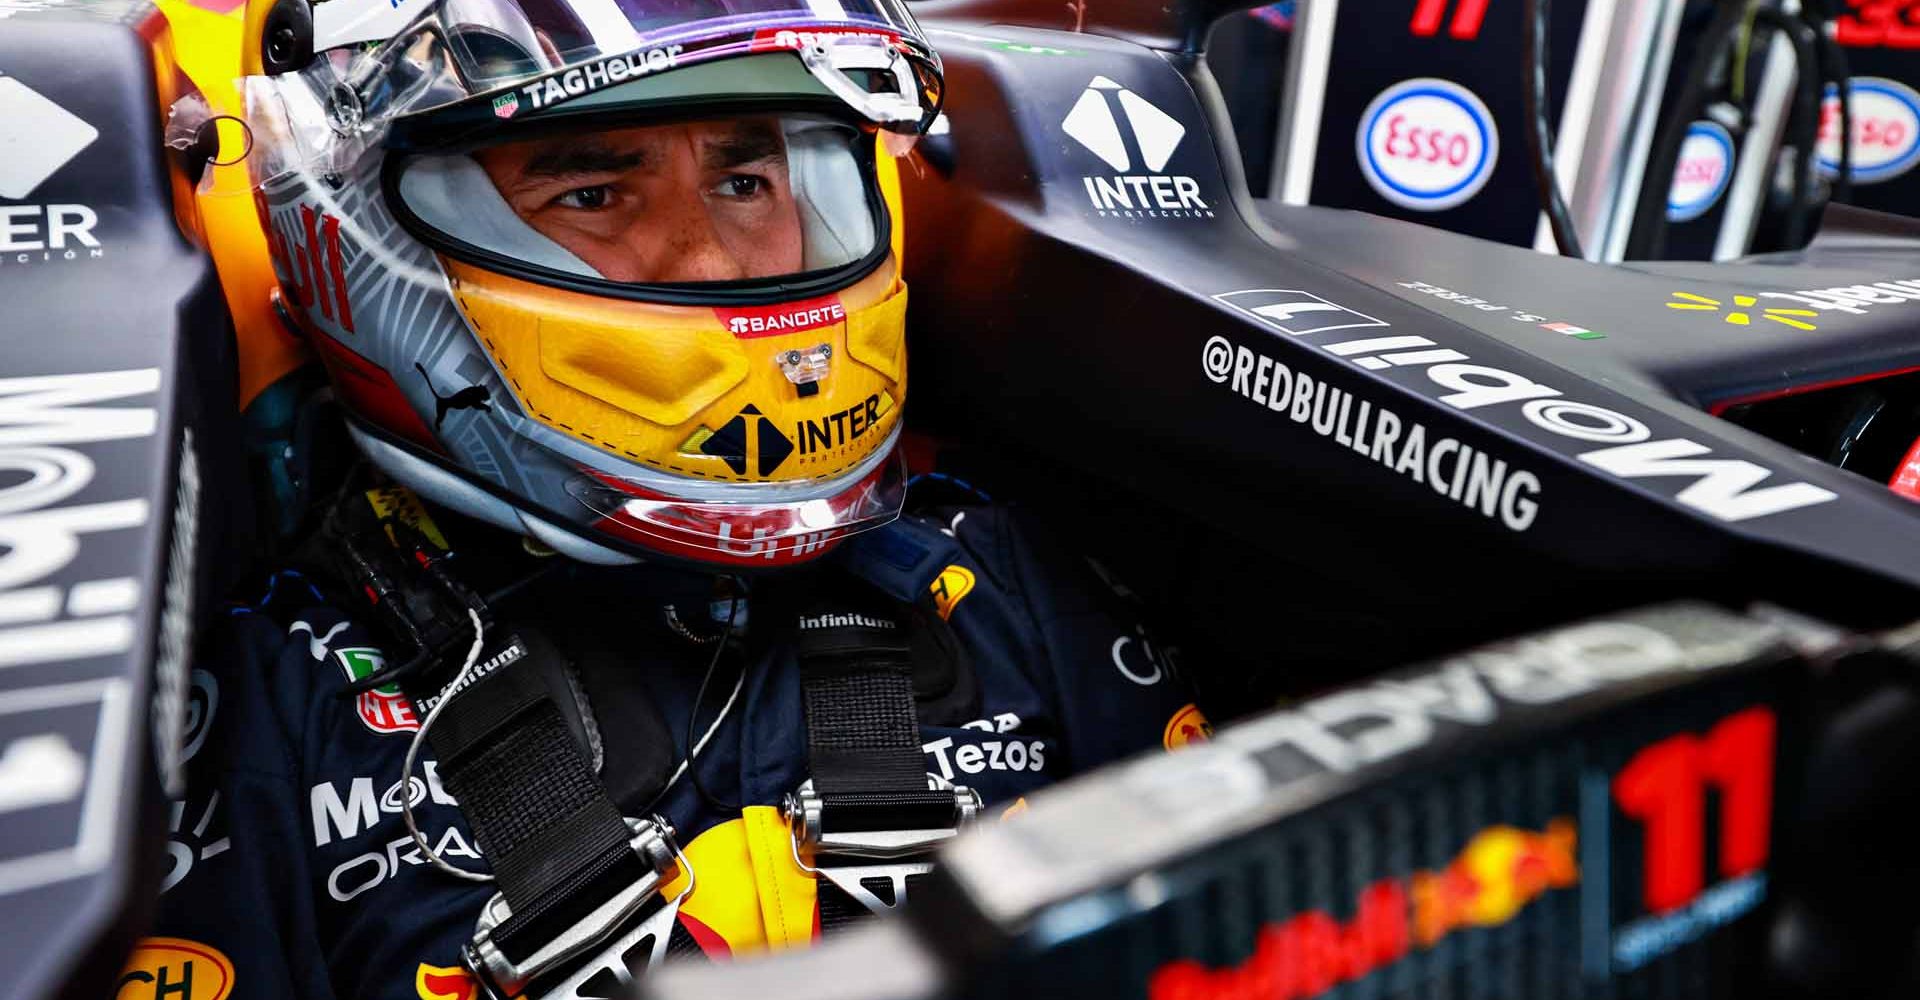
(1467, 18)
(1664, 788)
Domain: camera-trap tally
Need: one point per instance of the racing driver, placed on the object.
(621, 649)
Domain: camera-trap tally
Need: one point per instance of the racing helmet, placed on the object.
(619, 275)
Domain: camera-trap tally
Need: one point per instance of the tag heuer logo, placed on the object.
(1141, 189)
(37, 138)
(505, 105)
(383, 709)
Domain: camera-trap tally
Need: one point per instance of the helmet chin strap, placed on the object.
(454, 195)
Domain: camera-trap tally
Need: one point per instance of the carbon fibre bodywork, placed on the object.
(1162, 352)
(123, 513)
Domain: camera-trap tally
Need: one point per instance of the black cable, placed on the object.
(1808, 90)
(700, 695)
(1842, 76)
(1539, 140)
(1647, 239)
(1835, 69)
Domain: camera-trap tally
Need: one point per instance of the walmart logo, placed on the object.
(1738, 314)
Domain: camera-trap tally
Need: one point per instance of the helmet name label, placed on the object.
(782, 39)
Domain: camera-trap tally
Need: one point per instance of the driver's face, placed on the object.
(701, 201)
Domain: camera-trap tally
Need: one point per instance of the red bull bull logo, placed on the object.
(436, 982)
(1499, 872)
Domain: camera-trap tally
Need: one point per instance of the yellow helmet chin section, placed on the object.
(663, 379)
(875, 336)
(795, 391)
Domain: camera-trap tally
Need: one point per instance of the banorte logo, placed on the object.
(791, 317)
(1494, 877)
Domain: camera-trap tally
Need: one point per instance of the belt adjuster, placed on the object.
(500, 977)
(849, 858)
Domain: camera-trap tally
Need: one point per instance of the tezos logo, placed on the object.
(38, 138)
(1427, 144)
(1156, 134)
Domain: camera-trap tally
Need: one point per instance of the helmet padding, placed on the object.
(454, 195)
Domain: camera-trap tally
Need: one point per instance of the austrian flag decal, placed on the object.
(791, 317)
(383, 709)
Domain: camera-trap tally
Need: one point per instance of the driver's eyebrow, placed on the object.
(574, 158)
(748, 142)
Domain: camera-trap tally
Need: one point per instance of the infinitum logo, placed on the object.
(1156, 134)
(1738, 315)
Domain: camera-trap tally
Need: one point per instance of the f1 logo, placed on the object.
(1294, 312)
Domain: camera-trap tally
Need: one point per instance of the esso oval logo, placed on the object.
(1703, 172)
(1886, 130)
(1427, 144)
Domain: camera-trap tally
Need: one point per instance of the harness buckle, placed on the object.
(501, 978)
(851, 859)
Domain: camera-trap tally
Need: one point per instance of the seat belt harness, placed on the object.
(867, 819)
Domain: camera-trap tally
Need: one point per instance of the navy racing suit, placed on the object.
(291, 863)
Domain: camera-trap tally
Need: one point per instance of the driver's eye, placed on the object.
(587, 198)
(742, 186)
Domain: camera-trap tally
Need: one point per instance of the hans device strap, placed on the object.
(867, 817)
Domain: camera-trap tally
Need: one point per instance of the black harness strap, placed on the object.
(863, 734)
(558, 845)
(863, 749)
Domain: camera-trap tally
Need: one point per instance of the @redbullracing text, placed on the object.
(1453, 469)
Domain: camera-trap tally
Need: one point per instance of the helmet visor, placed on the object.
(726, 202)
(533, 55)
